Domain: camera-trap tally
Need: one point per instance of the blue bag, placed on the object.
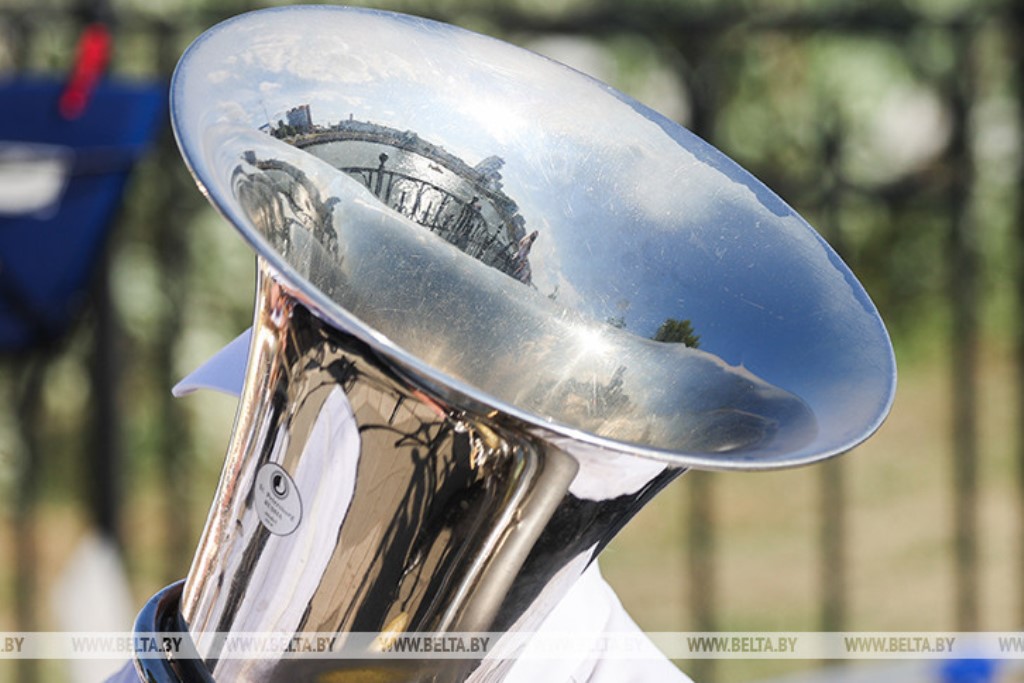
(61, 182)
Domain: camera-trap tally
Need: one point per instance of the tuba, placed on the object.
(499, 306)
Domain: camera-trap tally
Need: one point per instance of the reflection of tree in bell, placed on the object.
(674, 331)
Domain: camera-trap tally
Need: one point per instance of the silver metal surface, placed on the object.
(415, 515)
(500, 306)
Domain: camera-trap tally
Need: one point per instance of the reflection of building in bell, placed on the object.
(523, 271)
(463, 204)
(300, 118)
(283, 197)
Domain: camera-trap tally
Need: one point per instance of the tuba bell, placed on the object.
(499, 306)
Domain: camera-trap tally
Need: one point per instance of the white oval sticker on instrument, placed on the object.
(277, 500)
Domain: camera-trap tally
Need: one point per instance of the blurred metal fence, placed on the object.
(765, 86)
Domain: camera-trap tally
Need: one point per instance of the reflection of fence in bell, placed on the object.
(463, 204)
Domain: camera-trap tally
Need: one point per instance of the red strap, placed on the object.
(90, 63)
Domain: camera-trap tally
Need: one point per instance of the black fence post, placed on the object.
(702, 529)
(1017, 26)
(170, 239)
(28, 389)
(833, 538)
(963, 297)
(701, 562)
(104, 452)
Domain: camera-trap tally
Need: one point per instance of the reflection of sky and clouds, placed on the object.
(638, 219)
